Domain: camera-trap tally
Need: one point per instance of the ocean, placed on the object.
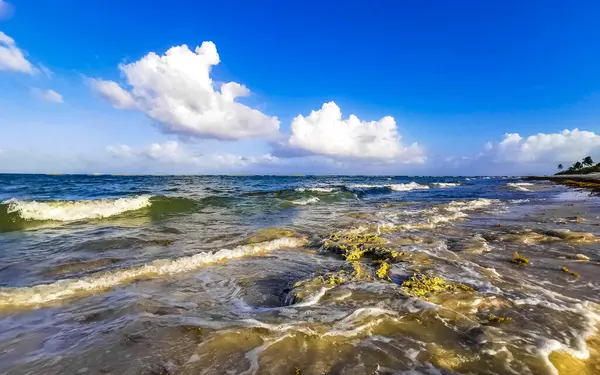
(103, 274)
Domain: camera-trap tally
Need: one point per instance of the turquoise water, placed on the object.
(203, 274)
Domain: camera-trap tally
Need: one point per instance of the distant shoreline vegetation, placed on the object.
(585, 166)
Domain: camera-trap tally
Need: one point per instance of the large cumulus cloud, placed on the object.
(325, 132)
(176, 90)
(566, 146)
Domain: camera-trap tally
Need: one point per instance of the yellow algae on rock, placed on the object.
(499, 319)
(566, 270)
(383, 271)
(518, 259)
(421, 285)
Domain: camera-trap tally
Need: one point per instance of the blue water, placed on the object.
(155, 274)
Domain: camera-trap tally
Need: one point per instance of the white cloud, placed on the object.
(48, 95)
(112, 92)
(176, 90)
(171, 152)
(566, 146)
(12, 58)
(6, 10)
(324, 132)
(120, 151)
(46, 71)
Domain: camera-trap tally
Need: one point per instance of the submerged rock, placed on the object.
(269, 234)
(421, 285)
(354, 247)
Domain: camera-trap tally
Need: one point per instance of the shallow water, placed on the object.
(241, 275)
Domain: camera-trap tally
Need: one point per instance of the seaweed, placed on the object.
(518, 259)
(359, 272)
(499, 319)
(566, 270)
(421, 285)
(383, 271)
(354, 247)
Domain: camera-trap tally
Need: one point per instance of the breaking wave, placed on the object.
(317, 189)
(27, 297)
(393, 187)
(305, 201)
(520, 186)
(75, 210)
(18, 214)
(445, 184)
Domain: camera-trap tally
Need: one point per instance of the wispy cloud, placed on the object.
(47, 95)
(12, 58)
(6, 10)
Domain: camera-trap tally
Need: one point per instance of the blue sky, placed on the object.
(453, 75)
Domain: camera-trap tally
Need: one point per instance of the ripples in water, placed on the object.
(277, 275)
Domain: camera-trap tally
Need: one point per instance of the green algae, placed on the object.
(269, 234)
(359, 271)
(422, 286)
(499, 319)
(354, 247)
(518, 259)
(566, 270)
(383, 271)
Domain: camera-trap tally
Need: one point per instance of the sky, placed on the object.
(271, 87)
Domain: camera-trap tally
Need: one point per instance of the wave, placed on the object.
(393, 187)
(35, 296)
(408, 186)
(317, 189)
(445, 184)
(470, 205)
(305, 201)
(75, 210)
(435, 216)
(520, 186)
(18, 214)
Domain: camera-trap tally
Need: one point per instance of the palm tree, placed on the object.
(560, 167)
(577, 165)
(588, 161)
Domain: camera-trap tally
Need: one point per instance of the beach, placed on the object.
(298, 275)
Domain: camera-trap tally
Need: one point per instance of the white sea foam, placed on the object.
(520, 186)
(366, 186)
(45, 293)
(445, 184)
(459, 206)
(317, 189)
(305, 201)
(443, 214)
(408, 186)
(395, 187)
(76, 210)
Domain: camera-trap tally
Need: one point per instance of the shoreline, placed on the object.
(584, 181)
